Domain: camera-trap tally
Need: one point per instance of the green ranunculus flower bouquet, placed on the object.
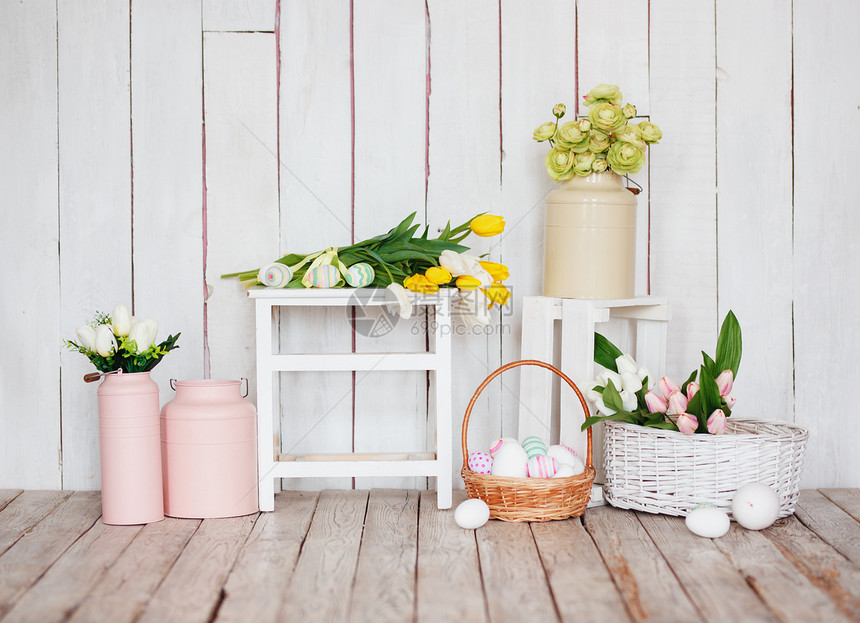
(604, 139)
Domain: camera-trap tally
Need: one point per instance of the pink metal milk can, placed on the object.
(209, 450)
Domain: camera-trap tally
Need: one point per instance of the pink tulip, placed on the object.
(677, 403)
(724, 382)
(730, 402)
(666, 386)
(655, 403)
(687, 424)
(717, 422)
(692, 388)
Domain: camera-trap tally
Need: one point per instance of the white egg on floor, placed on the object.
(755, 506)
(472, 514)
(706, 520)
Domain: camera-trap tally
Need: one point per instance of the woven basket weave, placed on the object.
(667, 472)
(529, 499)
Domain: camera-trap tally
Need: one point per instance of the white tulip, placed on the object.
(602, 408)
(105, 342)
(397, 301)
(625, 363)
(121, 320)
(591, 393)
(630, 382)
(644, 373)
(459, 264)
(472, 308)
(87, 337)
(143, 333)
(629, 402)
(609, 375)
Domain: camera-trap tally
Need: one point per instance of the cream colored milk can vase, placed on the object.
(590, 245)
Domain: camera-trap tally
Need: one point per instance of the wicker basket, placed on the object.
(667, 472)
(529, 499)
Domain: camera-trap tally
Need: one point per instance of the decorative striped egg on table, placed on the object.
(360, 275)
(323, 276)
(534, 446)
(275, 275)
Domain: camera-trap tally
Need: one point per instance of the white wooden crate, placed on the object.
(271, 466)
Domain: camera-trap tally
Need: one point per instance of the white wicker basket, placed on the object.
(667, 472)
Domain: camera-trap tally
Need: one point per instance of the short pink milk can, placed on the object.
(130, 449)
(209, 449)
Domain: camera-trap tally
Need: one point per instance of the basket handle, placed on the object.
(514, 364)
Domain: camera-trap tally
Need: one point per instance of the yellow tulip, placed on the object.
(499, 272)
(465, 282)
(487, 225)
(420, 284)
(437, 275)
(497, 293)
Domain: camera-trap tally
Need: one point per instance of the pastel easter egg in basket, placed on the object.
(564, 471)
(323, 276)
(541, 466)
(708, 521)
(534, 446)
(498, 443)
(360, 275)
(562, 454)
(480, 462)
(510, 462)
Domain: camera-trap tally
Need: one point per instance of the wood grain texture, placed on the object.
(68, 582)
(239, 16)
(94, 84)
(575, 572)
(825, 566)
(126, 587)
(448, 579)
(7, 495)
(754, 203)
(266, 562)
(527, 98)
(824, 237)
(25, 511)
(30, 442)
(846, 499)
(322, 580)
(827, 518)
(384, 588)
(515, 586)
(240, 91)
(785, 590)
(683, 179)
(646, 582)
(167, 156)
(464, 163)
(192, 588)
(700, 567)
(41, 546)
(389, 69)
(315, 213)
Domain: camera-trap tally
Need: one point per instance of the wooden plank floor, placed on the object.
(390, 555)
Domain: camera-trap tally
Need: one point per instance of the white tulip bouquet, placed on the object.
(119, 341)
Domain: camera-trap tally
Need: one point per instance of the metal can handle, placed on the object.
(173, 384)
(247, 387)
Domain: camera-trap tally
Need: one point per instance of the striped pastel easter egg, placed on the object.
(498, 443)
(359, 275)
(534, 446)
(480, 462)
(541, 466)
(275, 275)
(323, 276)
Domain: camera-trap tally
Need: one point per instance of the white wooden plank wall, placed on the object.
(380, 108)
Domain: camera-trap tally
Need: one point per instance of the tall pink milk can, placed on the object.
(130, 449)
(209, 449)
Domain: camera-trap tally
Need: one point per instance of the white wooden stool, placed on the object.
(579, 318)
(271, 466)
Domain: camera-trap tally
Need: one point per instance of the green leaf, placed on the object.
(729, 346)
(710, 397)
(709, 363)
(665, 425)
(605, 352)
(694, 406)
(611, 398)
(618, 417)
(689, 380)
